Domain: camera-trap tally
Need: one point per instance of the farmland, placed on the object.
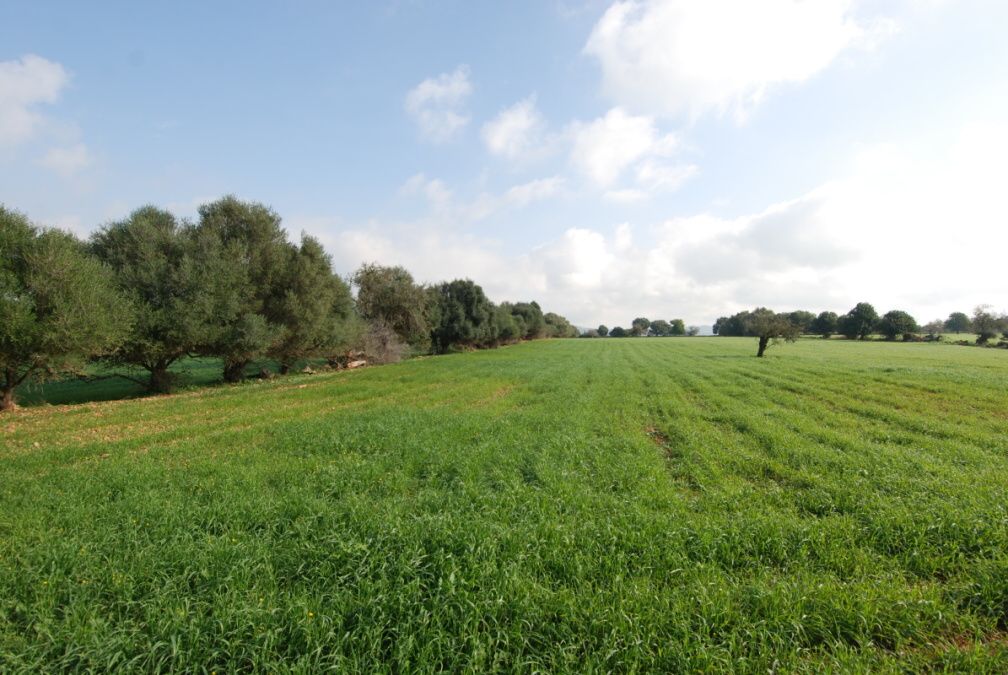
(590, 505)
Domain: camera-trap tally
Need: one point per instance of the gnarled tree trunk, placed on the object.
(7, 386)
(763, 342)
(234, 371)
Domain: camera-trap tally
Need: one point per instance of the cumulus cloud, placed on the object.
(67, 161)
(673, 57)
(26, 83)
(604, 149)
(436, 104)
(517, 132)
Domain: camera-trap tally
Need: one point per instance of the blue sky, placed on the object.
(684, 158)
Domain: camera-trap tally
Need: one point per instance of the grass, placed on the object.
(575, 505)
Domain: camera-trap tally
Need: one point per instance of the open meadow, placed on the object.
(565, 505)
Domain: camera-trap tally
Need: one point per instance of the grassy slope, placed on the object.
(567, 505)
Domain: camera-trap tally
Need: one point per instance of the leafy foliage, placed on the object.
(58, 306)
(897, 323)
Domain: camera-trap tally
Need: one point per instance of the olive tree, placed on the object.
(463, 315)
(769, 328)
(389, 295)
(58, 305)
(250, 274)
(314, 299)
(985, 324)
(603, 330)
(165, 271)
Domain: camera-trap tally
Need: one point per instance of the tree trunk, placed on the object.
(284, 368)
(234, 371)
(763, 342)
(7, 399)
(7, 391)
(160, 380)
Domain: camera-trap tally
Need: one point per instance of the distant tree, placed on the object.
(958, 322)
(825, 324)
(464, 315)
(603, 330)
(250, 280)
(58, 306)
(735, 325)
(934, 328)
(859, 322)
(590, 333)
(678, 327)
(168, 273)
(985, 324)
(769, 328)
(802, 320)
(897, 323)
(313, 300)
(640, 326)
(390, 295)
(618, 331)
(693, 331)
(660, 328)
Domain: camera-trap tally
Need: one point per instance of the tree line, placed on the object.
(152, 289)
(859, 323)
(643, 327)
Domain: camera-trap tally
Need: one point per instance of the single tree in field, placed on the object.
(825, 324)
(58, 305)
(660, 328)
(250, 287)
(693, 331)
(897, 323)
(603, 330)
(314, 299)
(958, 322)
(859, 322)
(167, 273)
(678, 327)
(390, 295)
(640, 326)
(618, 331)
(985, 324)
(769, 328)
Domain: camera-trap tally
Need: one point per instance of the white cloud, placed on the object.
(436, 104)
(671, 57)
(603, 148)
(536, 190)
(24, 84)
(443, 203)
(67, 161)
(517, 132)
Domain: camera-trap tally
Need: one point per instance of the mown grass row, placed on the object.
(592, 505)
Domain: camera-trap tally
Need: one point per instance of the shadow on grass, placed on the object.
(103, 383)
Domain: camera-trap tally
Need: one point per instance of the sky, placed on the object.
(668, 159)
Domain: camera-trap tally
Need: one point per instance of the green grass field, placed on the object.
(571, 505)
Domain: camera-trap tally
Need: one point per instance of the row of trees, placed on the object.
(643, 327)
(150, 290)
(857, 324)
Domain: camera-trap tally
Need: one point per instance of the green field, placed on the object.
(566, 505)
